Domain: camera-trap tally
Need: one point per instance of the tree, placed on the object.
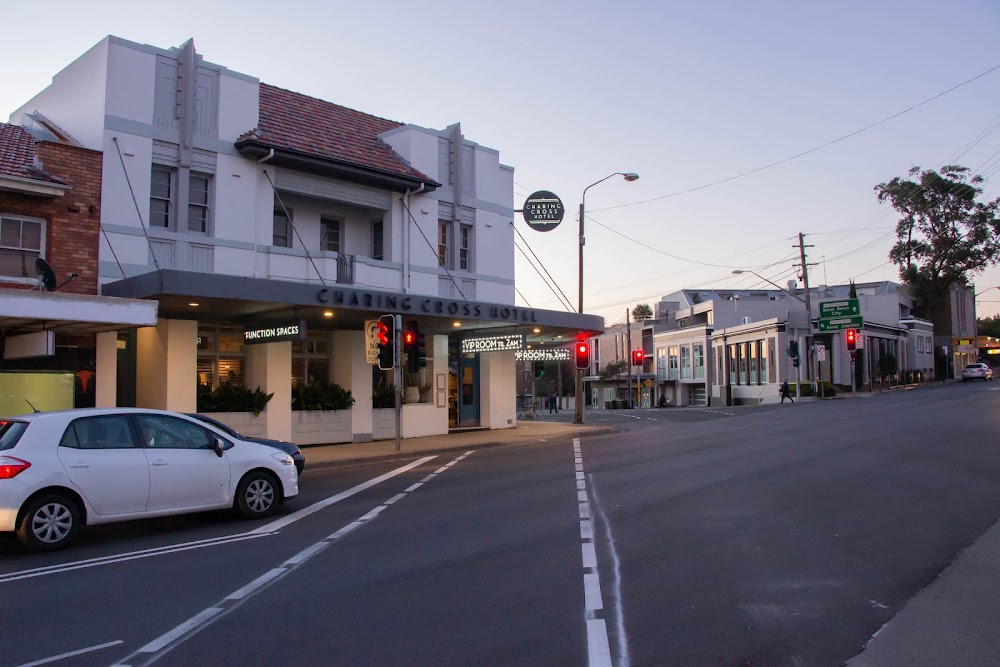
(642, 312)
(989, 326)
(944, 234)
(614, 371)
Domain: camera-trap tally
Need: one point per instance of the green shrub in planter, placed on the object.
(321, 396)
(231, 398)
(384, 395)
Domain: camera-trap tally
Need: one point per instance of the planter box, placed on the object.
(314, 427)
(417, 420)
(243, 422)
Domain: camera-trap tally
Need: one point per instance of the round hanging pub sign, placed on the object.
(543, 211)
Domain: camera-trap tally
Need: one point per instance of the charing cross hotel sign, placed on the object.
(419, 305)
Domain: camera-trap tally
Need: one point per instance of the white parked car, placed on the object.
(977, 372)
(63, 470)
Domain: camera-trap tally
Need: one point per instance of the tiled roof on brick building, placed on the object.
(317, 128)
(18, 157)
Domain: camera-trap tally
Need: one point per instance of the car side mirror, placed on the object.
(219, 446)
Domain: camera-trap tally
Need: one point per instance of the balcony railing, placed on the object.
(345, 269)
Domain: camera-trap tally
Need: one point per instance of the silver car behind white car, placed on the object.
(62, 470)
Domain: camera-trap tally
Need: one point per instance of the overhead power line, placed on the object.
(805, 152)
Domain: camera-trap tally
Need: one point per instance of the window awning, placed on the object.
(24, 311)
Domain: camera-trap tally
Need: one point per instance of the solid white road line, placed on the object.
(277, 525)
(262, 531)
(167, 638)
(166, 642)
(71, 654)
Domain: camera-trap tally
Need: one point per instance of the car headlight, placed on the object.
(283, 458)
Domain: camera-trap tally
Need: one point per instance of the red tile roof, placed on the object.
(17, 155)
(318, 128)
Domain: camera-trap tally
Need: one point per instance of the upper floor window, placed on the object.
(444, 244)
(465, 248)
(198, 204)
(282, 235)
(161, 190)
(163, 195)
(329, 234)
(20, 245)
(377, 240)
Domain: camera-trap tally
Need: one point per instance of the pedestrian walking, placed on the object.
(786, 392)
(552, 403)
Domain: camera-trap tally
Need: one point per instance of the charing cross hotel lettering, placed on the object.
(424, 305)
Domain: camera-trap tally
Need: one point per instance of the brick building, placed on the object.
(50, 201)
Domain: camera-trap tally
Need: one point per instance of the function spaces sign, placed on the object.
(543, 211)
(494, 344)
(840, 323)
(554, 354)
(841, 308)
(275, 333)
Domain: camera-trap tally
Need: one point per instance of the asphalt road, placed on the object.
(770, 535)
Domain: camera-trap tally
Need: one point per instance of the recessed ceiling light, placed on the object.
(537, 330)
(559, 336)
(456, 324)
(194, 305)
(328, 313)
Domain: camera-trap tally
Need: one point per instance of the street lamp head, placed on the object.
(631, 176)
(737, 272)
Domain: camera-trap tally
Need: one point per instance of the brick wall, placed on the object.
(72, 232)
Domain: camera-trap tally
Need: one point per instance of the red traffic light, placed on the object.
(851, 336)
(582, 354)
(637, 357)
(409, 337)
(383, 333)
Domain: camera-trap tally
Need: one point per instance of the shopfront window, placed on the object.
(742, 354)
(733, 364)
(661, 363)
(752, 350)
(311, 359)
(221, 357)
(767, 361)
(673, 371)
(699, 361)
(686, 362)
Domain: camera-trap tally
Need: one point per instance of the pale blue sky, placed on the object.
(683, 93)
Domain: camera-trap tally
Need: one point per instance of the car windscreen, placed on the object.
(10, 433)
(974, 367)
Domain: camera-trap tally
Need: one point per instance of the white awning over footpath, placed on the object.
(25, 310)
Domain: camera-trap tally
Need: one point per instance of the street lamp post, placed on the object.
(798, 369)
(628, 176)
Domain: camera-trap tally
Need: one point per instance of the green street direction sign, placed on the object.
(840, 323)
(841, 308)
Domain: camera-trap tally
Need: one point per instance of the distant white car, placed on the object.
(63, 470)
(977, 372)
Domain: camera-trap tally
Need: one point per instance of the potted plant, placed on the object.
(411, 387)
(425, 392)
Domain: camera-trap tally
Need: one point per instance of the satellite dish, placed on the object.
(46, 276)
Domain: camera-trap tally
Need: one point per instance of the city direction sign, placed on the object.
(840, 323)
(841, 308)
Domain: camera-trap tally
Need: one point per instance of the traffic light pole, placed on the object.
(628, 348)
(397, 374)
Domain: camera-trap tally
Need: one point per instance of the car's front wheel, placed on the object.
(49, 522)
(258, 495)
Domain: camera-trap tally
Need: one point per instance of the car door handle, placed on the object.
(79, 464)
(159, 462)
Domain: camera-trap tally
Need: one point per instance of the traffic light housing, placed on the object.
(637, 357)
(582, 354)
(852, 339)
(793, 352)
(537, 369)
(410, 346)
(386, 342)
(419, 348)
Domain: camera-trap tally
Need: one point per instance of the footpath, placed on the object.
(955, 621)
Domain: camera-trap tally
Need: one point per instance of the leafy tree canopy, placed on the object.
(613, 370)
(944, 233)
(642, 312)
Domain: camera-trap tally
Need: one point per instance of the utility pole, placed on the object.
(628, 352)
(805, 284)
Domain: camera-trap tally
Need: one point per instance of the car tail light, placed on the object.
(12, 467)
